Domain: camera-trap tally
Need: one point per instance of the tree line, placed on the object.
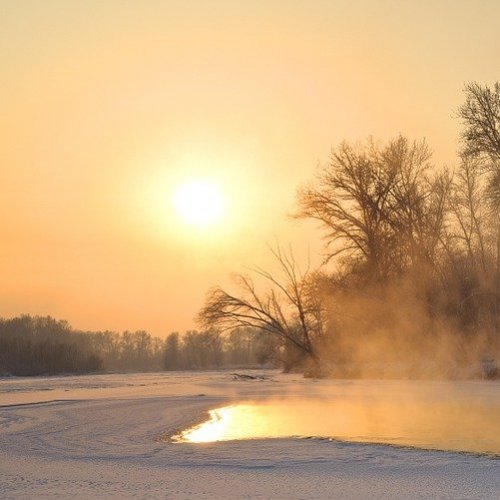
(410, 284)
(35, 345)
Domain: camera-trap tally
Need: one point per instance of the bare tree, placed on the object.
(379, 205)
(469, 244)
(350, 198)
(417, 203)
(480, 116)
(467, 207)
(289, 309)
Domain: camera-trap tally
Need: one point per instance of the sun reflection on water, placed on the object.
(213, 429)
(445, 427)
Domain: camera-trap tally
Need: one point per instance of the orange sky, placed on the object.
(108, 106)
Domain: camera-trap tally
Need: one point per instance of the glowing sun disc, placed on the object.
(199, 203)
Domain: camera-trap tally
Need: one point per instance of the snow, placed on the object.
(105, 436)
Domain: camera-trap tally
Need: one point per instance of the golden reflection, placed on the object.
(437, 425)
(213, 429)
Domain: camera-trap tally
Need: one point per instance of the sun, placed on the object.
(199, 203)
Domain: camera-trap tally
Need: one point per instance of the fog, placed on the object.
(391, 332)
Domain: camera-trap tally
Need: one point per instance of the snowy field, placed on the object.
(108, 436)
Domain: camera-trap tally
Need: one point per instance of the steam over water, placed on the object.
(435, 416)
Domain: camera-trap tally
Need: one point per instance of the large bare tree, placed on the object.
(378, 204)
(350, 197)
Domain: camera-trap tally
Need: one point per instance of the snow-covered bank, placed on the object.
(99, 436)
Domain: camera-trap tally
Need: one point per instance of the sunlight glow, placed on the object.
(199, 203)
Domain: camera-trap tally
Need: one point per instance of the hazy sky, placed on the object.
(107, 107)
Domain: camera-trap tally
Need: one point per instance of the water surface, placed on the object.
(470, 426)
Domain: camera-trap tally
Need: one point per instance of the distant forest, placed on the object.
(34, 345)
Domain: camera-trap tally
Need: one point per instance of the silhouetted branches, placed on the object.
(288, 309)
